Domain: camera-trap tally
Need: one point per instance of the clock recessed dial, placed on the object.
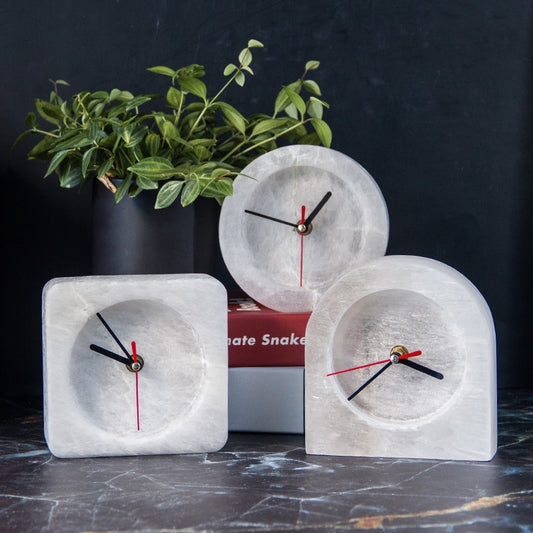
(401, 362)
(171, 353)
(299, 218)
(369, 330)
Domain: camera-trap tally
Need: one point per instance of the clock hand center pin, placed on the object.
(397, 352)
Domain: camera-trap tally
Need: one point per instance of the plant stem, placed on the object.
(262, 142)
(215, 98)
(208, 105)
(177, 115)
(49, 133)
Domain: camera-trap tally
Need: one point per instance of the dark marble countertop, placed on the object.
(264, 482)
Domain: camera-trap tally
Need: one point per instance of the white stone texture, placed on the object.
(421, 304)
(179, 324)
(263, 256)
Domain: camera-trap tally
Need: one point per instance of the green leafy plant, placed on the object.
(195, 147)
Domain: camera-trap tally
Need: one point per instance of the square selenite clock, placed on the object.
(400, 361)
(135, 365)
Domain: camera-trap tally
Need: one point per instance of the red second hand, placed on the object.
(405, 356)
(134, 350)
(302, 247)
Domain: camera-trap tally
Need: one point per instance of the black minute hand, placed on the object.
(114, 336)
(271, 218)
(380, 371)
(316, 210)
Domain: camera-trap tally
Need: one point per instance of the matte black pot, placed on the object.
(132, 237)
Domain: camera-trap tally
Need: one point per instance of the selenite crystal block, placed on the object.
(440, 404)
(179, 326)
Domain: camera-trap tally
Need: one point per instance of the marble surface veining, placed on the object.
(264, 482)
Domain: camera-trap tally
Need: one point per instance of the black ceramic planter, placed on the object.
(132, 237)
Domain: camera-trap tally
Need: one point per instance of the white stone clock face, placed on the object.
(177, 401)
(269, 259)
(438, 404)
(370, 329)
(172, 353)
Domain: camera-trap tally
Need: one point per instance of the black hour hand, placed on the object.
(111, 355)
(420, 368)
(317, 209)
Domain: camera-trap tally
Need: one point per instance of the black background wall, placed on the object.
(434, 98)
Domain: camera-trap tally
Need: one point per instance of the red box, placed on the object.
(258, 336)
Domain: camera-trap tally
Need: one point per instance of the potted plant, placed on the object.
(193, 147)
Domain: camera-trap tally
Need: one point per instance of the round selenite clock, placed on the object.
(400, 361)
(299, 218)
(135, 365)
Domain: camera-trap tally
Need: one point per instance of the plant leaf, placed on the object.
(125, 96)
(310, 138)
(30, 119)
(193, 86)
(312, 65)
(50, 112)
(95, 133)
(56, 160)
(40, 150)
(174, 98)
(224, 186)
(151, 167)
(268, 125)
(70, 176)
(230, 69)
(245, 57)
(296, 99)
(86, 160)
(253, 43)
(155, 168)
(105, 167)
(282, 101)
(292, 111)
(168, 193)
(152, 143)
(240, 79)
(323, 131)
(73, 140)
(190, 192)
(114, 94)
(21, 137)
(315, 109)
(312, 87)
(145, 183)
(234, 117)
(202, 152)
(165, 71)
(122, 189)
(99, 108)
(137, 101)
